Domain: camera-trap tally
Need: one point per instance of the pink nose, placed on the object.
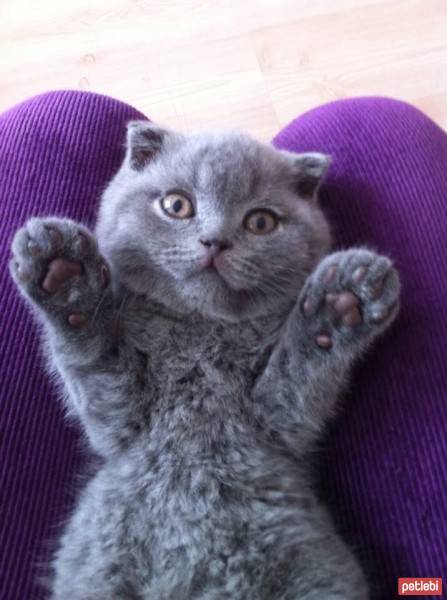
(215, 247)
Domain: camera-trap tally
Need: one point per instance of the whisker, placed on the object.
(120, 310)
(98, 306)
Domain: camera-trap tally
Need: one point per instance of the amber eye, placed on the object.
(260, 222)
(177, 206)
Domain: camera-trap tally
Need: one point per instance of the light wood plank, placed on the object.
(227, 63)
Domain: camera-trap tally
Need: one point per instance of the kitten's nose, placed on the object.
(216, 246)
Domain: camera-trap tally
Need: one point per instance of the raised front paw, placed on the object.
(56, 264)
(353, 295)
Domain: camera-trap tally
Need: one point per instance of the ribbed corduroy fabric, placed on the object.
(57, 152)
(384, 466)
(385, 461)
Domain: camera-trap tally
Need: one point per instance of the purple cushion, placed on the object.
(385, 458)
(57, 152)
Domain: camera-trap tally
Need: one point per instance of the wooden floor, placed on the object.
(251, 64)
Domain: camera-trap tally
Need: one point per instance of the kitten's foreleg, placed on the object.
(350, 299)
(58, 268)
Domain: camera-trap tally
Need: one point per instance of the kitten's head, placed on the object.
(220, 223)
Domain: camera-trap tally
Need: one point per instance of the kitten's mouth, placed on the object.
(208, 264)
(218, 269)
(212, 263)
(214, 267)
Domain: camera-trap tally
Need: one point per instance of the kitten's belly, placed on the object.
(199, 517)
(202, 486)
(183, 494)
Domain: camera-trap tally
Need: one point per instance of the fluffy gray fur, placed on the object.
(203, 389)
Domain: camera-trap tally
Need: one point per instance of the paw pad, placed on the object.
(359, 274)
(329, 276)
(324, 341)
(56, 238)
(376, 290)
(33, 248)
(22, 271)
(308, 307)
(59, 271)
(77, 320)
(346, 306)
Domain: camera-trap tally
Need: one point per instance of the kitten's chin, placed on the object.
(212, 296)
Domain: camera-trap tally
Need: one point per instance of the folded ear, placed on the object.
(144, 141)
(308, 171)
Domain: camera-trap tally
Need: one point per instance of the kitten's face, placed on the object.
(218, 223)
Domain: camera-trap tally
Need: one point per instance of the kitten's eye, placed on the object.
(260, 222)
(177, 206)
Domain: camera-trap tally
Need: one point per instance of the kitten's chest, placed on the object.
(195, 358)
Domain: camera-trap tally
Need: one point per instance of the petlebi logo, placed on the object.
(420, 586)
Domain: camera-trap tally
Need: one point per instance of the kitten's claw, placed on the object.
(352, 294)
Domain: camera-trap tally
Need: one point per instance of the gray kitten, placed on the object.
(203, 335)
